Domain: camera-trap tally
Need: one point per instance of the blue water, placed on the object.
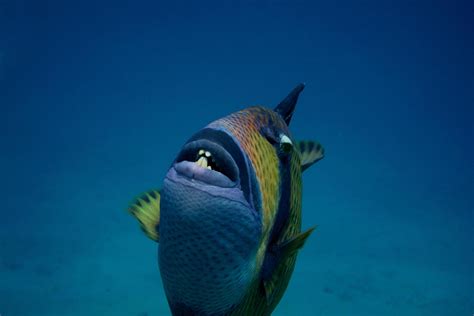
(97, 99)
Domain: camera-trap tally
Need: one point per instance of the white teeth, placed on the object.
(202, 159)
(202, 162)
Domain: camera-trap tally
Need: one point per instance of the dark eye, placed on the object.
(286, 145)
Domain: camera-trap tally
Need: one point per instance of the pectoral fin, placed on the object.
(279, 255)
(146, 209)
(291, 246)
(310, 153)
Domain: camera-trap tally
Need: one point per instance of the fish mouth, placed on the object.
(208, 162)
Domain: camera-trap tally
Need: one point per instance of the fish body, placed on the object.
(228, 217)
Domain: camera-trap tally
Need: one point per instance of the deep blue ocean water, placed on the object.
(97, 98)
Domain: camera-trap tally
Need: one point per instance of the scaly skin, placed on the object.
(246, 127)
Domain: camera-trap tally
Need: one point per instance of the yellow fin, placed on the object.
(146, 209)
(310, 153)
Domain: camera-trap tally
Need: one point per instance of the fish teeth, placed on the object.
(202, 162)
(202, 159)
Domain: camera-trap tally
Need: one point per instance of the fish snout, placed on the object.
(208, 162)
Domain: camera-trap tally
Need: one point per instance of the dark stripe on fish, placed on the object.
(283, 212)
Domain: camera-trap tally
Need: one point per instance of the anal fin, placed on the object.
(146, 209)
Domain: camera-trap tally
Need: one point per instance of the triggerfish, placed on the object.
(228, 215)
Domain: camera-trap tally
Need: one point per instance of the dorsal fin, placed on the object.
(146, 209)
(286, 107)
(310, 153)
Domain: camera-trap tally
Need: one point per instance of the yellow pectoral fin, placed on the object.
(310, 153)
(146, 209)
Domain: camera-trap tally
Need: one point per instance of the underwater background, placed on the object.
(97, 98)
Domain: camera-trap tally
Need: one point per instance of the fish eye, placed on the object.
(286, 145)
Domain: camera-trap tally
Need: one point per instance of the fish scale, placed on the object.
(265, 162)
(185, 249)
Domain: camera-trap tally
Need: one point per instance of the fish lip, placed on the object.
(192, 171)
(227, 176)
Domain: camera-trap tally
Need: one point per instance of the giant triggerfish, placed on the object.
(228, 216)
